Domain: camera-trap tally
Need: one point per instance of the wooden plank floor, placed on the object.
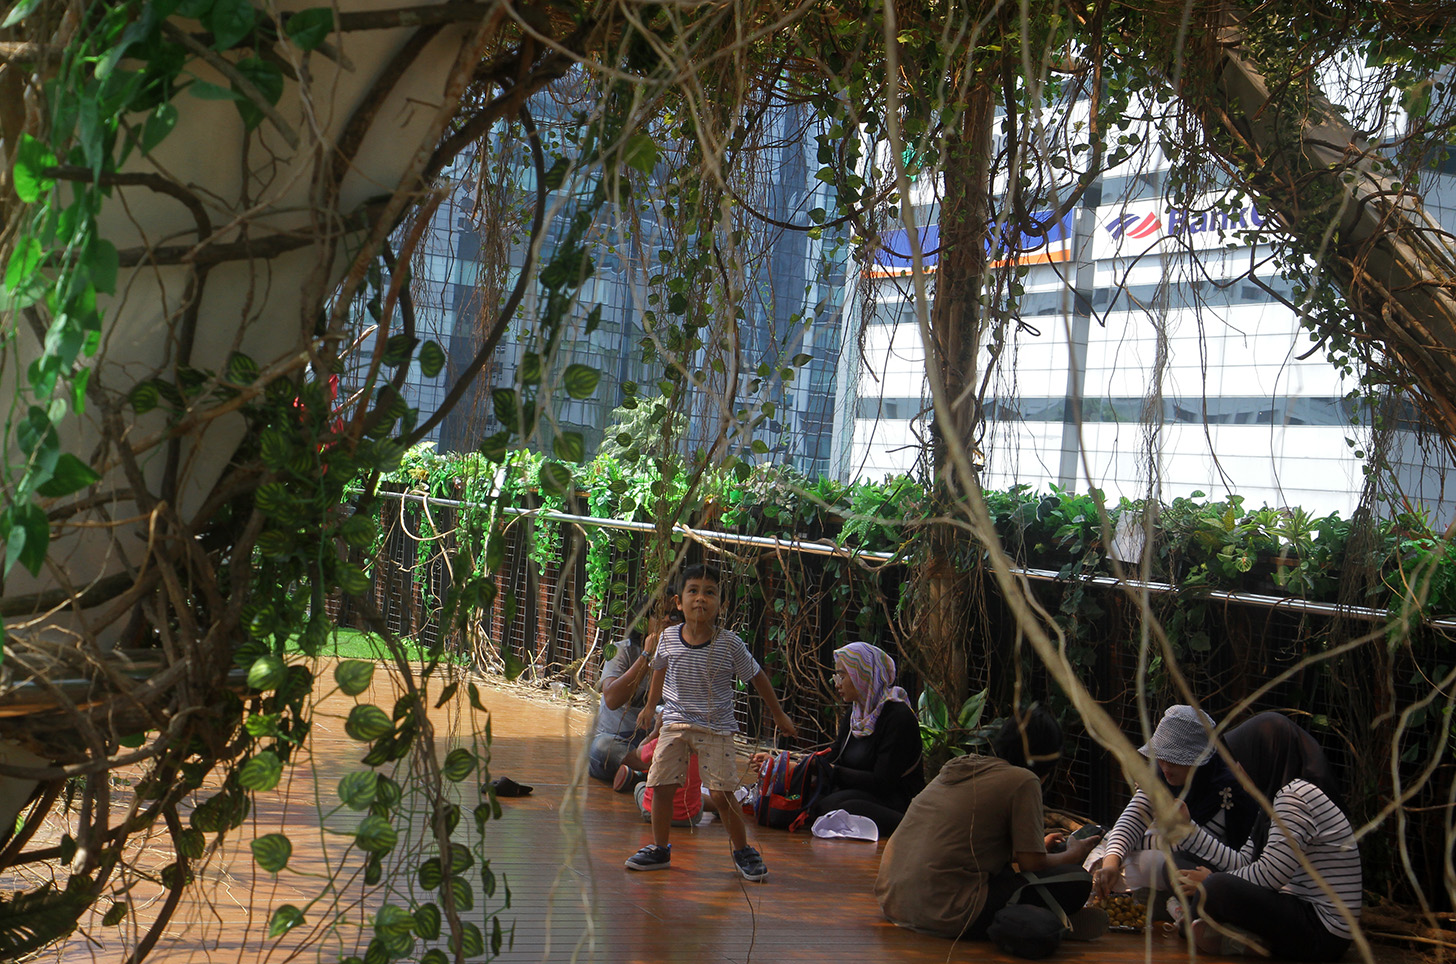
(561, 851)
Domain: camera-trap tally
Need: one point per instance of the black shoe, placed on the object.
(506, 787)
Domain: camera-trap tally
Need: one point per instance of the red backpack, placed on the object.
(789, 787)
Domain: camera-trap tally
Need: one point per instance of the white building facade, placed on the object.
(1159, 354)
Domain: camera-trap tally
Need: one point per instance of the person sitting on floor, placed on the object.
(613, 754)
(1294, 889)
(1188, 764)
(876, 762)
(948, 868)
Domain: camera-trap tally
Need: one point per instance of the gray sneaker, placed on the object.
(750, 865)
(651, 857)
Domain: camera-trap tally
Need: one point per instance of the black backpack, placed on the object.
(1026, 930)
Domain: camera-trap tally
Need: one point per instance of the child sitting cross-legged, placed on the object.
(692, 676)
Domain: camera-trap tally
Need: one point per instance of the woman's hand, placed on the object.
(759, 759)
(786, 725)
(1189, 881)
(646, 717)
(1106, 875)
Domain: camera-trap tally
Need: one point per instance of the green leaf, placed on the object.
(398, 349)
(472, 942)
(173, 876)
(115, 914)
(32, 157)
(580, 381)
(272, 852)
(205, 90)
(800, 360)
(28, 537)
(394, 926)
(357, 790)
(159, 124)
(241, 370)
(427, 921)
(494, 447)
(555, 175)
(507, 412)
(267, 78)
(70, 475)
(285, 919)
(359, 531)
(514, 665)
(261, 773)
(435, 956)
(368, 722)
(191, 843)
(555, 479)
(19, 12)
(462, 892)
(530, 370)
(309, 28)
(262, 725)
(459, 764)
(431, 874)
(267, 673)
(229, 21)
(24, 264)
(640, 153)
(352, 579)
(376, 835)
(432, 359)
(354, 675)
(274, 500)
(102, 264)
(570, 447)
(461, 859)
(144, 397)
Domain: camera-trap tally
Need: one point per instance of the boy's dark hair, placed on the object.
(699, 570)
(1031, 738)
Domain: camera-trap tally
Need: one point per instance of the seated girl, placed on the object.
(1294, 889)
(1189, 765)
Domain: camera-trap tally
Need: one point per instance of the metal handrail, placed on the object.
(1039, 575)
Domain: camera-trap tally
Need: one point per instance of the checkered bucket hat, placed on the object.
(1181, 737)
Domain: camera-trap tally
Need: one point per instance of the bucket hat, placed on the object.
(1181, 737)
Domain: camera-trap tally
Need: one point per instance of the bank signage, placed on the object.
(1154, 227)
(893, 259)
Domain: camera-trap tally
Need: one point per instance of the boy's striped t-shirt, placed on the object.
(698, 688)
(1305, 821)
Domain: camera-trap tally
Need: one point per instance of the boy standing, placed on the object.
(692, 676)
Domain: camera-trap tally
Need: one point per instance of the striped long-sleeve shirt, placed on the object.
(1305, 821)
(1134, 828)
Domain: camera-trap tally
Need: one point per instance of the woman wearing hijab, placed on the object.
(1189, 765)
(1294, 888)
(876, 758)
